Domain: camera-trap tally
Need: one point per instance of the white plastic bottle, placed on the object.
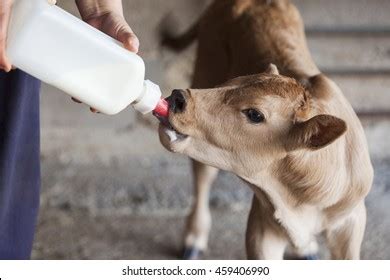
(61, 50)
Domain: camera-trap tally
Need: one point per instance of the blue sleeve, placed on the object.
(19, 163)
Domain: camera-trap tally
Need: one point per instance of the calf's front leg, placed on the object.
(263, 241)
(199, 221)
(345, 238)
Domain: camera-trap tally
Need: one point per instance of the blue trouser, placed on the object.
(19, 163)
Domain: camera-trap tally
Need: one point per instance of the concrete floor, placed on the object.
(110, 191)
(67, 230)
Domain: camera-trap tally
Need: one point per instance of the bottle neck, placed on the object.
(149, 98)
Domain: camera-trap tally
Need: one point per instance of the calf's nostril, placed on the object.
(177, 101)
(180, 104)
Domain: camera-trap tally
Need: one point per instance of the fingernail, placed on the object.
(134, 44)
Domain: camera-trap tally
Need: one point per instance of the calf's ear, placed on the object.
(272, 69)
(316, 133)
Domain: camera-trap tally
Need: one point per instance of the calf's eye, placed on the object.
(254, 116)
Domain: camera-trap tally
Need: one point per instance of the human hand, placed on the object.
(107, 16)
(5, 12)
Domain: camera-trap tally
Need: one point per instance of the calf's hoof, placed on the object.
(310, 257)
(302, 257)
(192, 253)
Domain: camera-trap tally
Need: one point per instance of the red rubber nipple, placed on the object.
(162, 109)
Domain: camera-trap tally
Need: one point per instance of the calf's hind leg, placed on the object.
(199, 221)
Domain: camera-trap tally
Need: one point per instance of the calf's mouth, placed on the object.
(173, 134)
(177, 104)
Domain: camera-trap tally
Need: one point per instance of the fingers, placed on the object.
(76, 100)
(93, 110)
(5, 11)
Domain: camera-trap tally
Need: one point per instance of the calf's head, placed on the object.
(247, 123)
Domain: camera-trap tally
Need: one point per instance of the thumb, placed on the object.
(116, 26)
(127, 37)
